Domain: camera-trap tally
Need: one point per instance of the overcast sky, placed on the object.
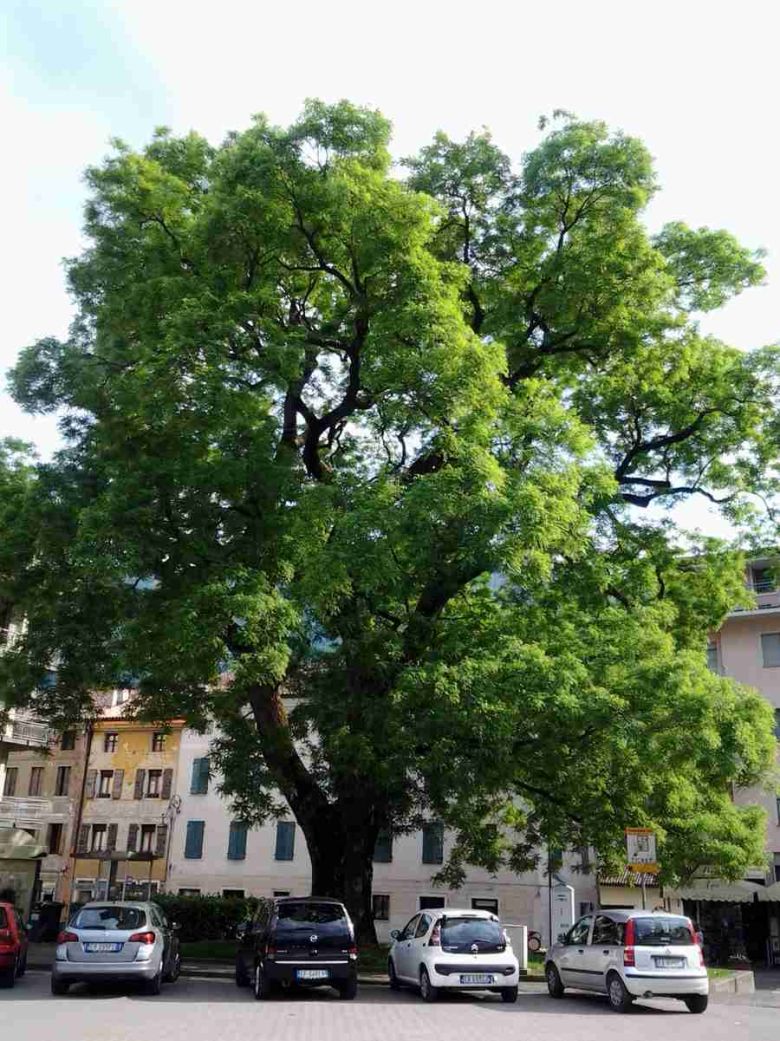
(696, 80)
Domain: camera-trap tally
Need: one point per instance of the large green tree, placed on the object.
(357, 463)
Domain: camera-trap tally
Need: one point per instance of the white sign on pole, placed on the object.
(641, 851)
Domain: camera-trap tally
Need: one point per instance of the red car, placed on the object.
(13, 945)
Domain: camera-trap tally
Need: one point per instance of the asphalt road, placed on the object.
(216, 1010)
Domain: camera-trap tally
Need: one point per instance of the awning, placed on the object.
(16, 844)
(740, 892)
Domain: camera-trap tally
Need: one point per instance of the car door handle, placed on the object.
(580, 950)
(605, 952)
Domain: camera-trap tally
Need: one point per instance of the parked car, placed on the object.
(13, 945)
(450, 949)
(298, 942)
(117, 941)
(628, 955)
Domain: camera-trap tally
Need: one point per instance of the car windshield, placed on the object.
(467, 932)
(325, 919)
(109, 917)
(666, 931)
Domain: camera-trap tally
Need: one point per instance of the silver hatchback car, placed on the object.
(111, 940)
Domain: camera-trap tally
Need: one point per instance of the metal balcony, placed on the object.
(27, 733)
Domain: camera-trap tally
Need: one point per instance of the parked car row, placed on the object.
(299, 942)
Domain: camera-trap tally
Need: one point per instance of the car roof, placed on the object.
(308, 900)
(623, 914)
(139, 905)
(458, 912)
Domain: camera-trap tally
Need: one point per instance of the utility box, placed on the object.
(562, 909)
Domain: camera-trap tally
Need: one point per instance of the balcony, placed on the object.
(31, 813)
(25, 733)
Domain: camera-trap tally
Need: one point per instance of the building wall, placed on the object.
(521, 899)
(740, 656)
(36, 813)
(133, 753)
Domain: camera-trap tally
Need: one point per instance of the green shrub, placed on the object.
(207, 917)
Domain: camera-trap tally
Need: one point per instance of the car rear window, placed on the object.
(109, 917)
(466, 932)
(326, 919)
(666, 931)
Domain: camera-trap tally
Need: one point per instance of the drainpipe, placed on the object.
(79, 815)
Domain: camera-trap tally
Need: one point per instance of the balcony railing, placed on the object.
(764, 584)
(25, 732)
(30, 808)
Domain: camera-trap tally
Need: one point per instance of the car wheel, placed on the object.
(242, 976)
(22, 967)
(395, 983)
(509, 995)
(348, 990)
(175, 970)
(154, 986)
(59, 987)
(696, 1002)
(427, 991)
(9, 977)
(262, 985)
(619, 998)
(554, 986)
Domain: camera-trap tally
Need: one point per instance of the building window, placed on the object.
(479, 903)
(281, 892)
(68, 742)
(383, 848)
(199, 782)
(104, 784)
(110, 742)
(380, 907)
(153, 782)
(763, 579)
(189, 892)
(777, 867)
(777, 723)
(158, 741)
(36, 780)
(770, 649)
(98, 838)
(237, 841)
(11, 774)
(233, 894)
(193, 846)
(54, 838)
(148, 832)
(431, 902)
(62, 780)
(285, 840)
(433, 843)
(713, 658)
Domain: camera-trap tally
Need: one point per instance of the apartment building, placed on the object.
(122, 840)
(212, 853)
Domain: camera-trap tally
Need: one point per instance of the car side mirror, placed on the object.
(561, 938)
(242, 930)
(175, 926)
(394, 934)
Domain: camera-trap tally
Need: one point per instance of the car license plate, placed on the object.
(95, 948)
(669, 963)
(477, 977)
(312, 974)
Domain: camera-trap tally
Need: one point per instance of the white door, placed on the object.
(602, 952)
(402, 952)
(572, 959)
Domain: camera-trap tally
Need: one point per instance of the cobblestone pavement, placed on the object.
(215, 1010)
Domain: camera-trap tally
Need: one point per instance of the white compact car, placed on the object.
(450, 949)
(628, 955)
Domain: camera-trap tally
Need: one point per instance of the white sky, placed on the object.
(697, 81)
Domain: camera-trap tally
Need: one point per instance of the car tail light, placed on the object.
(5, 937)
(148, 937)
(629, 954)
(353, 952)
(270, 952)
(67, 937)
(435, 940)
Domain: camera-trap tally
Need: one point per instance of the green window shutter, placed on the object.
(199, 784)
(433, 843)
(383, 849)
(111, 837)
(132, 838)
(285, 840)
(167, 783)
(237, 841)
(116, 789)
(162, 840)
(138, 791)
(193, 847)
(89, 790)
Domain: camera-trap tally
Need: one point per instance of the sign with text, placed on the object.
(640, 850)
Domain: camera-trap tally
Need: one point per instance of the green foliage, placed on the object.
(313, 411)
(206, 917)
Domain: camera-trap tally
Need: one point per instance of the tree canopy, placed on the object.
(358, 462)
